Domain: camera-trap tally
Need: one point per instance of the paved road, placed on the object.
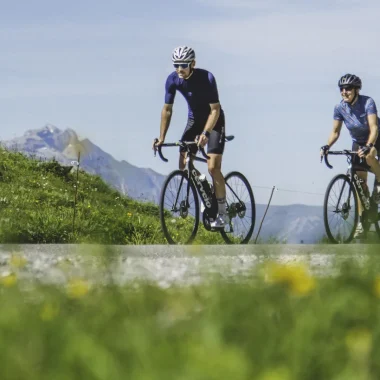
(164, 264)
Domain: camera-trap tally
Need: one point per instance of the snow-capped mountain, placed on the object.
(51, 142)
(293, 223)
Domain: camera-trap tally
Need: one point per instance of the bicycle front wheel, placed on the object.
(179, 209)
(241, 209)
(340, 210)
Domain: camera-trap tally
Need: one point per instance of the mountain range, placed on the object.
(64, 145)
(291, 223)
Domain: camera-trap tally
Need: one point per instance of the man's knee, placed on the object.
(214, 170)
(214, 164)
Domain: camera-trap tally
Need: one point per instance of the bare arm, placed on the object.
(373, 129)
(210, 123)
(334, 135)
(213, 117)
(166, 115)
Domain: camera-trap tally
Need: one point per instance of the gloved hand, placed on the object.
(324, 149)
(364, 150)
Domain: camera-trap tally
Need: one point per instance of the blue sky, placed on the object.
(100, 67)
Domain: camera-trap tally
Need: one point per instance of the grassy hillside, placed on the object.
(37, 201)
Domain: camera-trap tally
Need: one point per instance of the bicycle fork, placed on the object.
(346, 207)
(184, 204)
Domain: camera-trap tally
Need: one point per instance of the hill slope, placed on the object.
(291, 223)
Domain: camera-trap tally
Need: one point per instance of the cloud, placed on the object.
(279, 5)
(310, 33)
(307, 44)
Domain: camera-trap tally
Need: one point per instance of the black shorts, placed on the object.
(356, 161)
(215, 142)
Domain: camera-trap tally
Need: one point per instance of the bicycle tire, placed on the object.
(345, 211)
(176, 223)
(377, 226)
(377, 223)
(236, 217)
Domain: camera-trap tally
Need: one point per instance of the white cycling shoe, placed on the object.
(220, 222)
(359, 232)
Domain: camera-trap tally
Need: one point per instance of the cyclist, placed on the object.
(205, 119)
(359, 114)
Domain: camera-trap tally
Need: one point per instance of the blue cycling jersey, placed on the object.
(355, 117)
(199, 90)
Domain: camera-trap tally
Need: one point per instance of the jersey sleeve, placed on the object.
(213, 95)
(370, 107)
(170, 90)
(337, 113)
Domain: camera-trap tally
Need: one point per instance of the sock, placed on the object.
(222, 206)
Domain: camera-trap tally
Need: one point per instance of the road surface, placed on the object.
(164, 264)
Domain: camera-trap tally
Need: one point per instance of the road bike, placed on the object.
(341, 204)
(179, 204)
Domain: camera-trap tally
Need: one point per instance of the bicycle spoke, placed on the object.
(340, 210)
(179, 212)
(240, 208)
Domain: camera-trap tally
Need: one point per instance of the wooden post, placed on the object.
(76, 191)
(262, 220)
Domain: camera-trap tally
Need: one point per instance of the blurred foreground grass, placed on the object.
(280, 323)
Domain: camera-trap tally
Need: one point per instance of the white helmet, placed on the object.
(183, 54)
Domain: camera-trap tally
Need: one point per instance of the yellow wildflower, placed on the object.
(295, 276)
(8, 280)
(376, 287)
(129, 214)
(77, 288)
(359, 342)
(17, 261)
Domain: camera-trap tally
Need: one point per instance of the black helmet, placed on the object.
(350, 80)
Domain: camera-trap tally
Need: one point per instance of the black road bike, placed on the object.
(341, 208)
(179, 205)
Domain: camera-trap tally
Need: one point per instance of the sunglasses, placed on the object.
(181, 65)
(347, 88)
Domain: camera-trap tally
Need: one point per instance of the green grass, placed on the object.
(37, 206)
(280, 323)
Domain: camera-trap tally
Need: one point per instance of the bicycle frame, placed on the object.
(341, 216)
(208, 202)
(352, 174)
(365, 201)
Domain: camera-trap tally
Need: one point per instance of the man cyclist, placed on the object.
(205, 119)
(359, 114)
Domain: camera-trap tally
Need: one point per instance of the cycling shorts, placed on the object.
(216, 140)
(356, 161)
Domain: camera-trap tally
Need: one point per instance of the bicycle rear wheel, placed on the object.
(179, 209)
(241, 209)
(340, 210)
(376, 222)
